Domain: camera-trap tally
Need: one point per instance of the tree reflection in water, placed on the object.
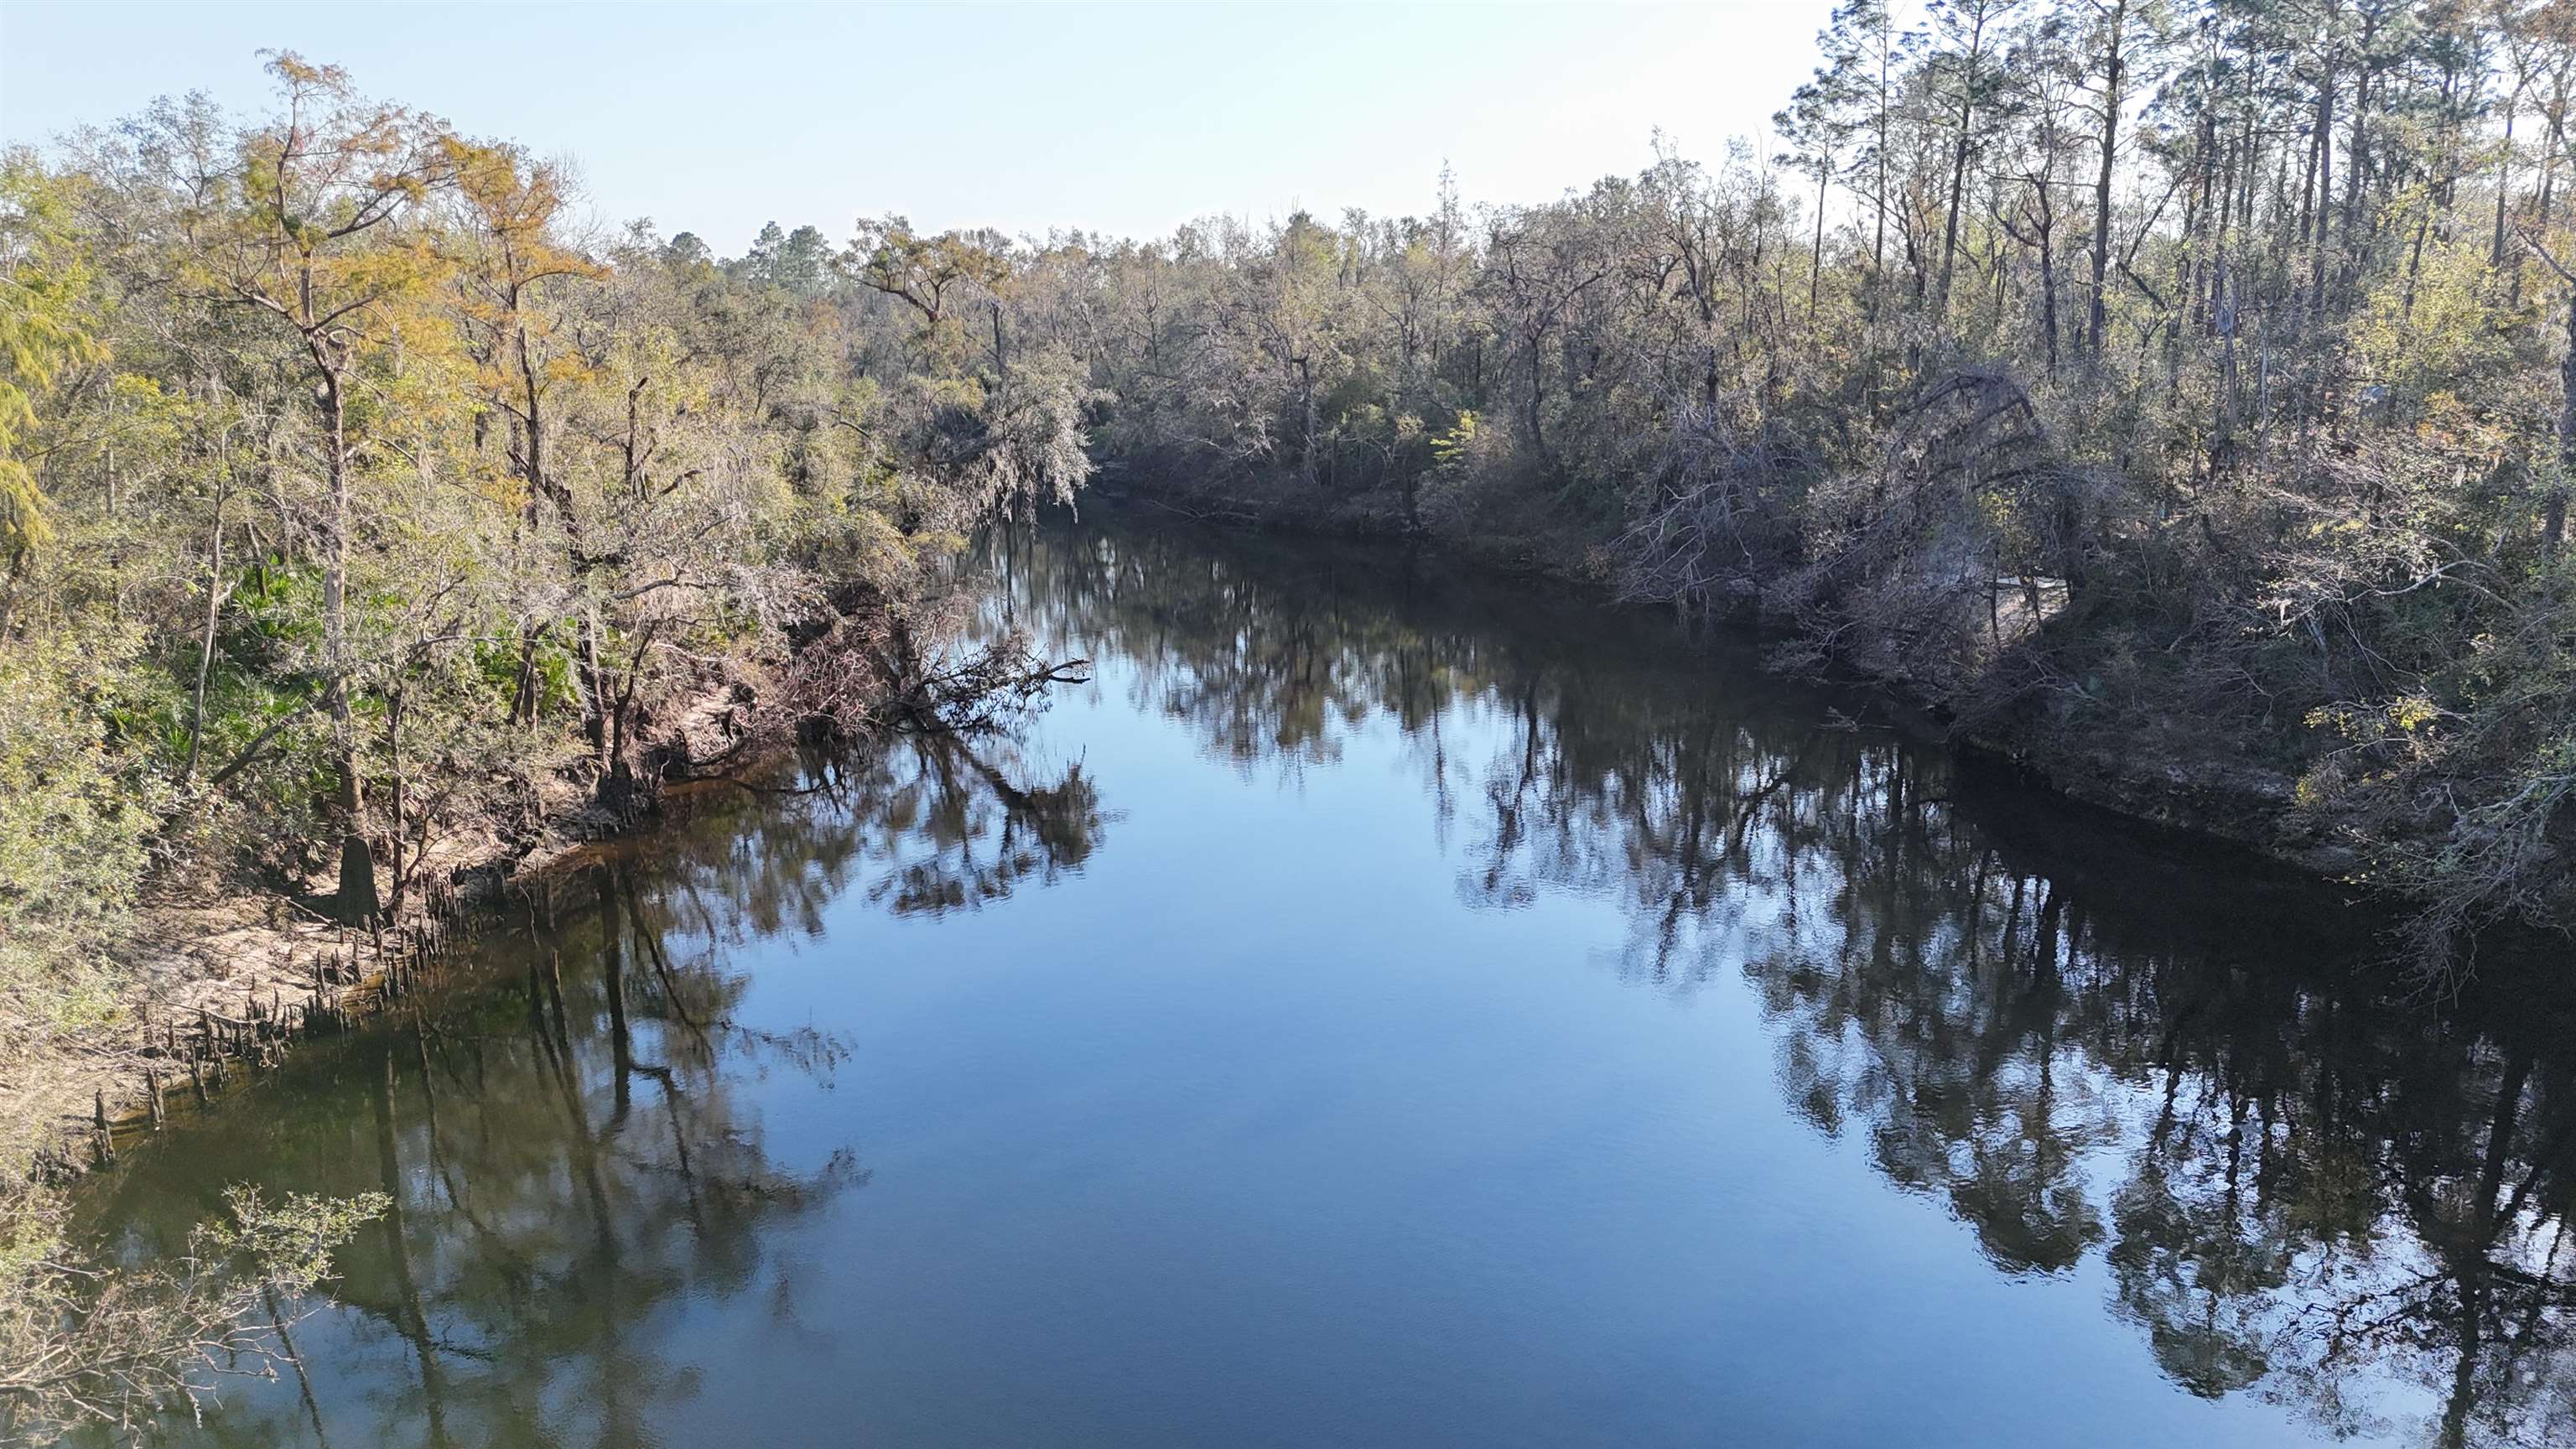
(2296, 1179)
(563, 1139)
(2306, 1181)
(957, 829)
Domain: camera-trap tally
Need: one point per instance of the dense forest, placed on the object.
(362, 521)
(2177, 394)
(360, 515)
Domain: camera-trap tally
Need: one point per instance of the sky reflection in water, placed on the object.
(1393, 1008)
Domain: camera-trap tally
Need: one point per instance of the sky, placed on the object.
(1125, 119)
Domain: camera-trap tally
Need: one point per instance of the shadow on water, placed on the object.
(2090, 1045)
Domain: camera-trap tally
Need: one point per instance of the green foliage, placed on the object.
(93, 1345)
(76, 817)
(349, 494)
(44, 329)
(2440, 328)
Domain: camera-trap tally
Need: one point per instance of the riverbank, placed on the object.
(215, 984)
(1385, 920)
(226, 979)
(2173, 781)
(241, 976)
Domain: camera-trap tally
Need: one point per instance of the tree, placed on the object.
(927, 274)
(2122, 43)
(307, 228)
(1961, 67)
(1816, 127)
(44, 295)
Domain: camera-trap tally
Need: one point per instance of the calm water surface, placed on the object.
(1386, 1008)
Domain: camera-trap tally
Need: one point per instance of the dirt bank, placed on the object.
(217, 987)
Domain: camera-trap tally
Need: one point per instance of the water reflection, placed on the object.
(923, 824)
(565, 1162)
(2308, 1181)
(2111, 1061)
(945, 809)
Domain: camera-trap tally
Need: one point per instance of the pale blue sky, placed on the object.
(715, 117)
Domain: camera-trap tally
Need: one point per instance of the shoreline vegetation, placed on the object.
(365, 526)
(2202, 800)
(2176, 396)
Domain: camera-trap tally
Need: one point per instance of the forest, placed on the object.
(2174, 396)
(360, 517)
(2177, 396)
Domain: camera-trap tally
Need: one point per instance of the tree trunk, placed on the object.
(394, 797)
(1816, 252)
(2098, 308)
(523, 694)
(2356, 176)
(2504, 182)
(1958, 193)
(2554, 511)
(206, 644)
(1886, 142)
(1538, 400)
(595, 686)
(1306, 388)
(357, 895)
(2047, 222)
(2325, 187)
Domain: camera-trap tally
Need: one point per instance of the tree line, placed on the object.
(2166, 390)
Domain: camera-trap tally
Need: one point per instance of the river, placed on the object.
(1391, 1006)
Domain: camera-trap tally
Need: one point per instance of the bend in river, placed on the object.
(1388, 1007)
